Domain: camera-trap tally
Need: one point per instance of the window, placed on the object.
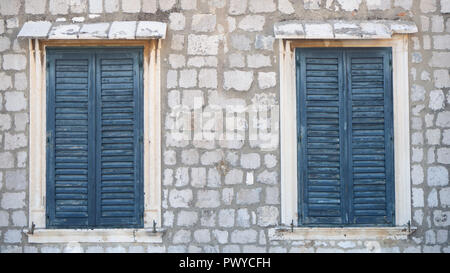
(345, 137)
(94, 138)
(121, 36)
(104, 230)
(291, 227)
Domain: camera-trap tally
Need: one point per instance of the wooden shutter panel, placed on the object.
(94, 144)
(119, 131)
(68, 171)
(345, 129)
(320, 97)
(371, 136)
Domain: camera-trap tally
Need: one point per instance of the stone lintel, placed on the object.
(342, 29)
(102, 30)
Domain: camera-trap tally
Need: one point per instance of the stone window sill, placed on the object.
(95, 236)
(348, 233)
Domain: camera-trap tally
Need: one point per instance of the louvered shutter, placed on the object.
(345, 144)
(371, 137)
(320, 141)
(69, 80)
(119, 150)
(94, 138)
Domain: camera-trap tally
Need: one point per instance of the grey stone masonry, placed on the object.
(222, 189)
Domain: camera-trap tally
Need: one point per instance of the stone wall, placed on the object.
(221, 196)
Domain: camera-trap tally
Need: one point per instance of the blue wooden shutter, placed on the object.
(119, 139)
(94, 138)
(345, 144)
(370, 133)
(69, 99)
(319, 81)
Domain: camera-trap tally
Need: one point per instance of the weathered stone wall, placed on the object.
(221, 196)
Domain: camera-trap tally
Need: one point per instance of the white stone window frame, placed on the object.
(37, 231)
(288, 109)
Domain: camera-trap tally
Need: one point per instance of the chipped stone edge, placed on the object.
(95, 235)
(35, 29)
(348, 233)
(158, 28)
(32, 29)
(295, 29)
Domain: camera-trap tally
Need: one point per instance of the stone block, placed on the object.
(437, 176)
(13, 200)
(244, 236)
(238, 80)
(208, 199)
(264, 42)
(204, 22)
(96, 6)
(378, 4)
(319, 31)
(267, 216)
(203, 44)
(198, 177)
(234, 176)
(94, 31)
(188, 78)
(445, 6)
(10, 7)
(226, 217)
(248, 196)
(122, 30)
(14, 62)
(250, 161)
(57, 7)
(188, 4)
(237, 7)
(78, 6)
(64, 32)
(444, 197)
(207, 78)
(182, 237)
(180, 198)
(311, 4)
(177, 21)
(202, 236)
(166, 5)
(131, 6)
(267, 80)
(441, 78)
(15, 141)
(252, 23)
(427, 6)
(111, 6)
(240, 42)
(443, 155)
(187, 218)
(258, 61)
(16, 180)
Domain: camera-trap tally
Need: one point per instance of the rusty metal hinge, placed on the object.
(154, 226)
(31, 231)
